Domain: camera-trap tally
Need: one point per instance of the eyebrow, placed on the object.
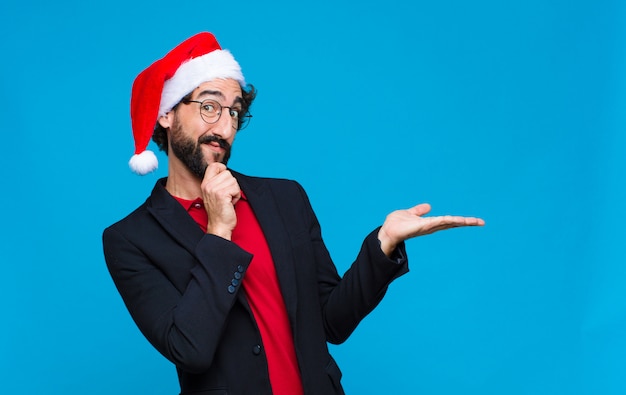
(219, 94)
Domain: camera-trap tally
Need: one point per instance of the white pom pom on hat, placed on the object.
(144, 162)
(164, 83)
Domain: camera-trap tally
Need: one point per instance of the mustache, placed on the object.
(214, 139)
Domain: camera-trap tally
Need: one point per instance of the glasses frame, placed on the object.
(242, 121)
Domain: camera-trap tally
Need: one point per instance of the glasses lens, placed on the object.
(244, 121)
(210, 111)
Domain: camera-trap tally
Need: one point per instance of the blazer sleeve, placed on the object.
(183, 321)
(347, 300)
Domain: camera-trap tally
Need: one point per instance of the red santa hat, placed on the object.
(161, 86)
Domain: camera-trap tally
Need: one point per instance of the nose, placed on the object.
(225, 126)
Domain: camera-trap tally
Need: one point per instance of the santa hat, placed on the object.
(161, 86)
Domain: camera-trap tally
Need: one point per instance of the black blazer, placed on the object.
(176, 283)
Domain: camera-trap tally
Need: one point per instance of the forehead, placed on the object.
(228, 89)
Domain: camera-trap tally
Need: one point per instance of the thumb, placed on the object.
(420, 209)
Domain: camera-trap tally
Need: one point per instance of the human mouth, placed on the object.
(215, 143)
(215, 146)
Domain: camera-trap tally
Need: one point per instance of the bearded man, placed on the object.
(225, 274)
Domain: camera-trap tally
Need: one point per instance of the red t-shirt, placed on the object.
(264, 297)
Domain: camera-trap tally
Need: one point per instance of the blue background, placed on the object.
(512, 111)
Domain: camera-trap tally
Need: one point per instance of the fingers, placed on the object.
(220, 192)
(218, 176)
(221, 183)
(468, 221)
(453, 220)
(471, 221)
(214, 169)
(456, 221)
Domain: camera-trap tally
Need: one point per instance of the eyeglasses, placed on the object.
(211, 111)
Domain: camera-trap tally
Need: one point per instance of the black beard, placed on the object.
(190, 152)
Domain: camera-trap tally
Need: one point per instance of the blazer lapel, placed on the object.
(267, 213)
(174, 218)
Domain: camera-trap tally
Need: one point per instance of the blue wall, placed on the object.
(512, 111)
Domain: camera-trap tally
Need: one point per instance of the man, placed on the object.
(225, 274)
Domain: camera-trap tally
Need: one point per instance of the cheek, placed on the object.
(191, 122)
(193, 130)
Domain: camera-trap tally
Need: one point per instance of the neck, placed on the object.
(181, 182)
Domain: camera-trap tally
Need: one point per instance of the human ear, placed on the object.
(166, 120)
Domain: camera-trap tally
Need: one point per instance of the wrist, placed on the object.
(223, 232)
(385, 242)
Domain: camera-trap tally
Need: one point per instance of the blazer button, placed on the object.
(231, 289)
(234, 282)
(237, 275)
(256, 350)
(241, 269)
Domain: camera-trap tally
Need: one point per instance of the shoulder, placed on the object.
(129, 227)
(140, 217)
(133, 217)
(287, 194)
(280, 184)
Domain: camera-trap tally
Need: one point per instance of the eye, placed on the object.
(208, 107)
(234, 113)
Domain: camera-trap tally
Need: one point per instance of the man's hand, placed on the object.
(220, 192)
(404, 224)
